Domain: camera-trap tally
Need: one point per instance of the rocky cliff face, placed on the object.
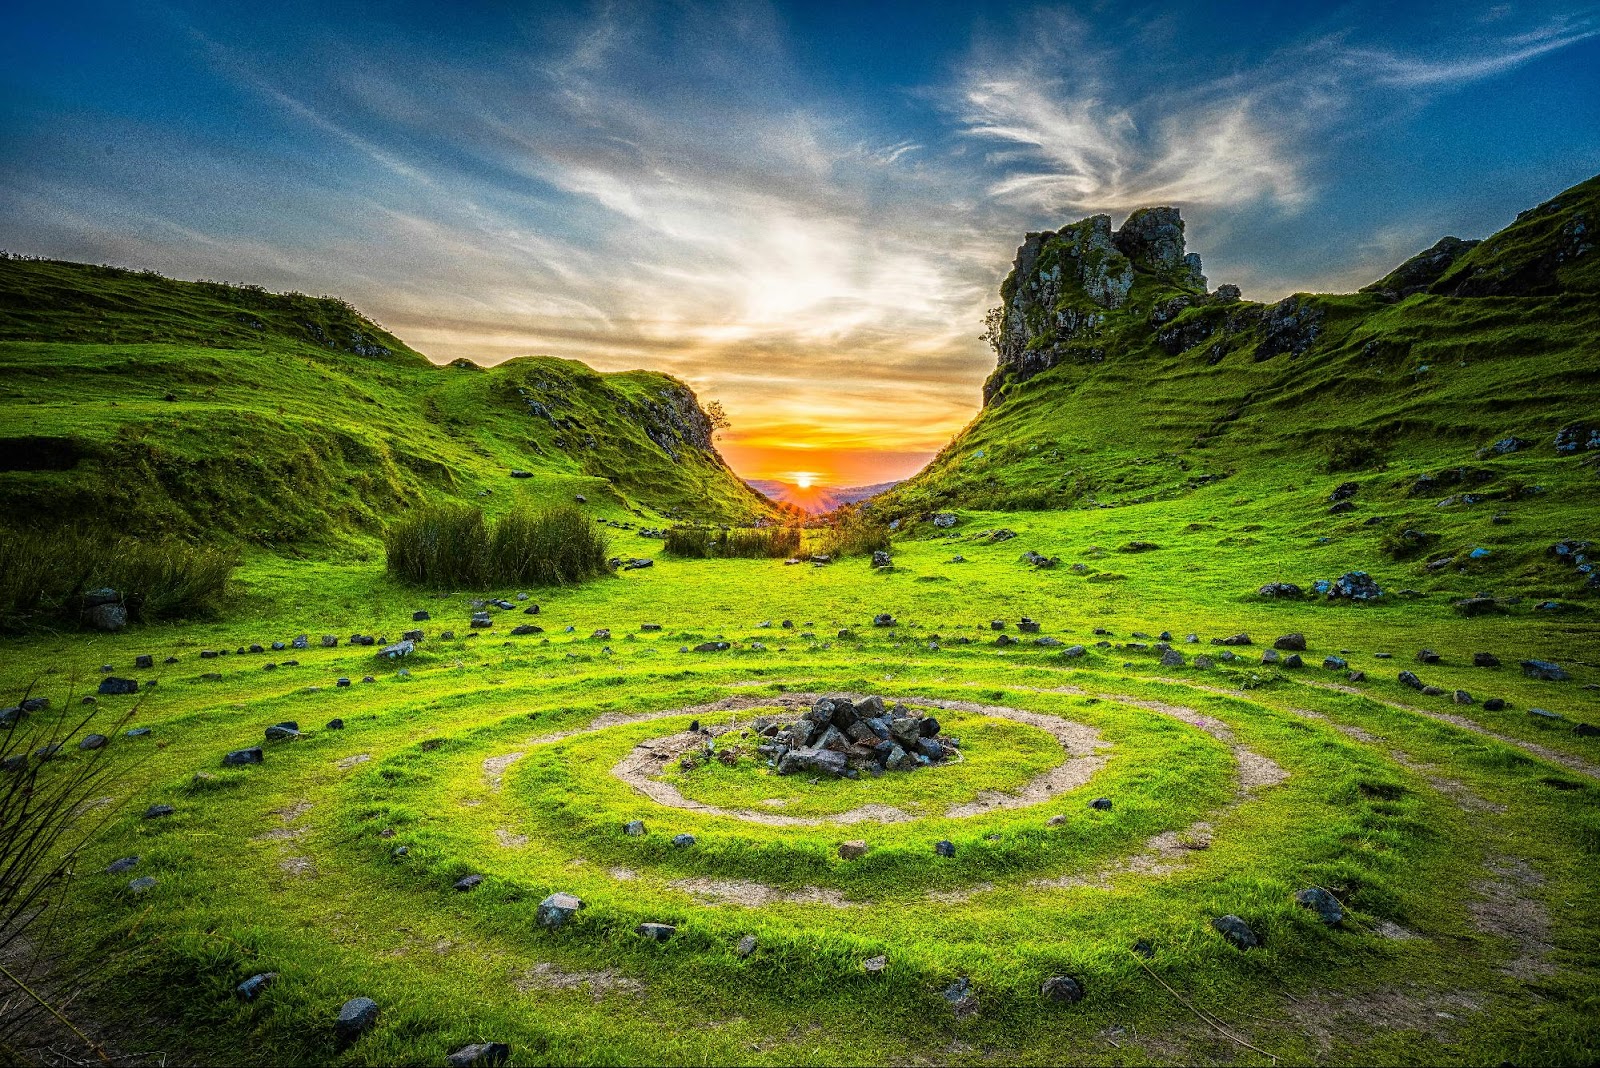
(1067, 285)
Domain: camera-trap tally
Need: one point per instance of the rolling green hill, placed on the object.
(197, 409)
(1460, 394)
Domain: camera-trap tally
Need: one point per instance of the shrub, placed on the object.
(851, 532)
(44, 575)
(746, 543)
(453, 546)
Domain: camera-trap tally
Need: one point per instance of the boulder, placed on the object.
(557, 909)
(114, 686)
(656, 932)
(356, 1017)
(1061, 990)
(108, 617)
(1291, 643)
(240, 757)
(398, 650)
(93, 741)
(480, 1055)
(1544, 670)
(634, 829)
(1281, 589)
(1237, 932)
(882, 559)
(1408, 678)
(683, 841)
(813, 760)
(1324, 904)
(944, 848)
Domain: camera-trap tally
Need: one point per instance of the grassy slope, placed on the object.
(293, 420)
(1426, 383)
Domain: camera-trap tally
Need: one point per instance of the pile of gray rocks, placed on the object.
(844, 737)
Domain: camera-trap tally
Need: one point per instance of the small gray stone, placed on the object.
(255, 986)
(634, 829)
(1237, 932)
(467, 882)
(1533, 669)
(142, 883)
(656, 932)
(1101, 803)
(155, 812)
(1062, 990)
(945, 848)
(1324, 904)
(356, 1017)
(241, 757)
(875, 965)
(683, 841)
(557, 909)
(746, 946)
(117, 867)
(479, 1055)
(93, 741)
(116, 687)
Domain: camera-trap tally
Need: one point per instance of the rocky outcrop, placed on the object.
(1420, 271)
(1066, 287)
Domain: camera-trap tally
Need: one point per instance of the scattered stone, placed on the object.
(944, 848)
(881, 559)
(337, 724)
(255, 986)
(1428, 656)
(683, 841)
(1324, 904)
(1237, 932)
(467, 882)
(142, 884)
(240, 757)
(1408, 678)
(356, 1018)
(711, 647)
(746, 946)
(1293, 660)
(116, 687)
(93, 741)
(1237, 639)
(1291, 643)
(1281, 589)
(1062, 990)
(963, 1002)
(875, 965)
(656, 932)
(157, 811)
(117, 867)
(853, 850)
(1335, 663)
(1545, 713)
(480, 1055)
(1102, 804)
(286, 731)
(1494, 704)
(634, 829)
(108, 617)
(1533, 669)
(557, 909)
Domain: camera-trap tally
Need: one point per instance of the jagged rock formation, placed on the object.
(1422, 270)
(1065, 282)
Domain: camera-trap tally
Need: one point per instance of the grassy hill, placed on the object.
(1157, 391)
(197, 409)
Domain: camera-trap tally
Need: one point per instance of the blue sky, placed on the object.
(802, 209)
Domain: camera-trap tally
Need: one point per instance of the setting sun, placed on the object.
(803, 479)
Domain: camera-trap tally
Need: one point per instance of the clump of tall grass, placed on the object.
(43, 576)
(747, 543)
(50, 808)
(852, 532)
(453, 546)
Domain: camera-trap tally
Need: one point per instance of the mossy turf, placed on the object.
(1414, 821)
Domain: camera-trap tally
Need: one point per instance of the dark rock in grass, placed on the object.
(411, 635)
(467, 882)
(1072, 652)
(1103, 804)
(963, 1002)
(531, 610)
(1432, 691)
(816, 761)
(1585, 730)
(1293, 660)
(1479, 606)
(144, 661)
(1545, 713)
(1144, 949)
(1354, 586)
(207, 654)
(157, 811)
(1237, 932)
(746, 946)
(634, 829)
(650, 626)
(1335, 663)
(1270, 656)
(1061, 990)
(1533, 669)
(854, 849)
(1291, 643)
(479, 1055)
(368, 678)
(875, 965)
(557, 909)
(521, 474)
(342, 683)
(1236, 639)
(255, 986)
(1028, 626)
(1138, 547)
(421, 616)
(447, 635)
(481, 619)
(656, 932)
(883, 619)
(711, 647)
(283, 732)
(117, 867)
(1281, 589)
(881, 559)
(1410, 679)
(93, 741)
(1204, 663)
(104, 595)
(335, 724)
(45, 752)
(1342, 507)
(269, 667)
(118, 687)
(1427, 656)
(240, 757)
(142, 884)
(1357, 676)
(1462, 697)
(945, 848)
(1172, 658)
(683, 841)
(108, 617)
(356, 1018)
(526, 628)
(398, 650)
(1324, 904)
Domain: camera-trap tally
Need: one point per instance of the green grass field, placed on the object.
(1458, 827)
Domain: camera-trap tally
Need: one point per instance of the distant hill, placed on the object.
(197, 409)
(817, 499)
